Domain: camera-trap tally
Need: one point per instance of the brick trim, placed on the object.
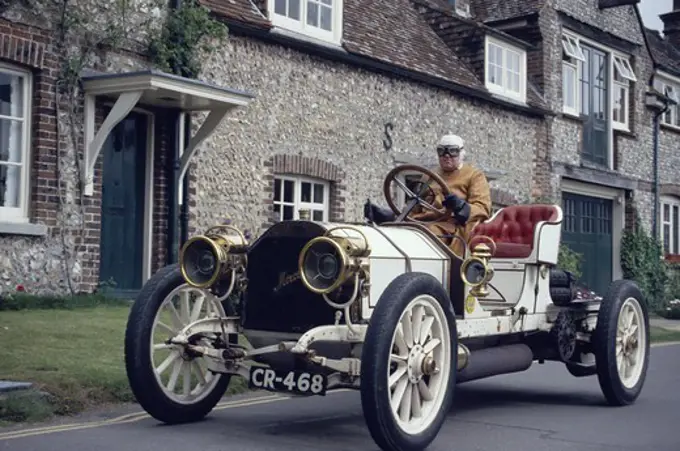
(669, 189)
(22, 45)
(310, 167)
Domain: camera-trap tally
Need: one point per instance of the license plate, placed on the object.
(301, 382)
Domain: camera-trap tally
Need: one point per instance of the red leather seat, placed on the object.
(513, 228)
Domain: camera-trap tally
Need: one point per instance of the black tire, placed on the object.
(138, 364)
(604, 343)
(375, 393)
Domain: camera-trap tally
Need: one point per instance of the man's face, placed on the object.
(449, 157)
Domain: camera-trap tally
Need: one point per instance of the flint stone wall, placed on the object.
(632, 152)
(39, 262)
(336, 113)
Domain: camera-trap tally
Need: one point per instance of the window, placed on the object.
(670, 230)
(623, 76)
(292, 194)
(571, 57)
(320, 19)
(576, 69)
(505, 70)
(412, 180)
(671, 88)
(14, 144)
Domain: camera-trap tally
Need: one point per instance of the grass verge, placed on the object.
(661, 335)
(74, 358)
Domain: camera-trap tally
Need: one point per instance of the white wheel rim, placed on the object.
(630, 342)
(415, 400)
(185, 381)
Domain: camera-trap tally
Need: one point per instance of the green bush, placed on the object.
(27, 301)
(570, 260)
(642, 261)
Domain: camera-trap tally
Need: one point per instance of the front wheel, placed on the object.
(621, 343)
(171, 384)
(409, 364)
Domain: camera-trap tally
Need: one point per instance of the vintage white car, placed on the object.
(386, 309)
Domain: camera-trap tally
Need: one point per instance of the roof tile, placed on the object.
(492, 10)
(394, 32)
(664, 53)
(239, 10)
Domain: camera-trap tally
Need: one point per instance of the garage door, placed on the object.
(587, 229)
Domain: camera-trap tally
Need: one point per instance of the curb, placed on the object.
(13, 386)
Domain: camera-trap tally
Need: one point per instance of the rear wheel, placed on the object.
(408, 365)
(170, 383)
(621, 343)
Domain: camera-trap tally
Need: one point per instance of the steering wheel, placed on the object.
(416, 198)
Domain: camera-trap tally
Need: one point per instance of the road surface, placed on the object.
(542, 409)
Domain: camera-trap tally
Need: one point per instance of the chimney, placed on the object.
(671, 22)
(461, 7)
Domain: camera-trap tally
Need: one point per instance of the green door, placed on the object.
(587, 229)
(122, 218)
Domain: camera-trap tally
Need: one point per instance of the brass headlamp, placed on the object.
(205, 259)
(476, 271)
(327, 262)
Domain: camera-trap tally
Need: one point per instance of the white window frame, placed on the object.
(19, 214)
(671, 202)
(618, 64)
(334, 36)
(664, 83)
(503, 88)
(400, 194)
(297, 204)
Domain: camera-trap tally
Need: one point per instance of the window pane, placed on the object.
(620, 103)
(294, 9)
(312, 14)
(666, 212)
(318, 193)
(288, 190)
(280, 7)
(568, 78)
(326, 15)
(277, 190)
(666, 238)
(11, 95)
(10, 185)
(306, 192)
(287, 212)
(277, 211)
(11, 140)
(317, 215)
(676, 231)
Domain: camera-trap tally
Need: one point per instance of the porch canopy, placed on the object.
(157, 89)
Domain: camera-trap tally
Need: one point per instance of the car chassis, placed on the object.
(407, 313)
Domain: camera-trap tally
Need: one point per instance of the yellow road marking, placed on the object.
(128, 418)
(138, 416)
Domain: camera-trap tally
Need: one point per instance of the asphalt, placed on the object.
(544, 408)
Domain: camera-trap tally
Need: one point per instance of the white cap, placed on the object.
(451, 140)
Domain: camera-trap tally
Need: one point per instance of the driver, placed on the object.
(469, 201)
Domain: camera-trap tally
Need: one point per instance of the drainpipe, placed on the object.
(184, 215)
(657, 183)
(173, 176)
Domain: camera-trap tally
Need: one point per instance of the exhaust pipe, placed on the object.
(492, 361)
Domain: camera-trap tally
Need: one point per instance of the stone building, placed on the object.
(337, 101)
(592, 63)
(666, 53)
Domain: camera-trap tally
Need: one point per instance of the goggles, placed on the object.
(452, 151)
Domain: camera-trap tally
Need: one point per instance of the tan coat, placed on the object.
(471, 185)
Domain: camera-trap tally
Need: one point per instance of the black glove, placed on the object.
(460, 208)
(376, 214)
